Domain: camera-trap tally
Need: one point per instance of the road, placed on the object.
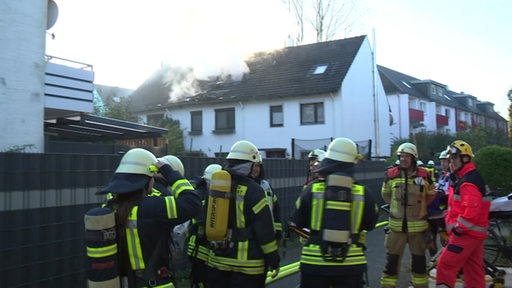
(376, 257)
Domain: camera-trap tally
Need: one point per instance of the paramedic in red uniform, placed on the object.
(466, 221)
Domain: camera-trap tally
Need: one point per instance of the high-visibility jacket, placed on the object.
(309, 215)
(198, 246)
(468, 204)
(407, 199)
(148, 229)
(250, 230)
(273, 203)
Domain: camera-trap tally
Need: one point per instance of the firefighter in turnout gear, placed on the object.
(249, 249)
(437, 208)
(466, 221)
(198, 247)
(337, 211)
(258, 174)
(408, 190)
(143, 223)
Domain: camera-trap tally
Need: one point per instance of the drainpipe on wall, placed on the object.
(375, 99)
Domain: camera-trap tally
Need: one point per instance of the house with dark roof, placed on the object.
(317, 91)
(429, 106)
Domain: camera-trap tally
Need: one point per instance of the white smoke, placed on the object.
(214, 38)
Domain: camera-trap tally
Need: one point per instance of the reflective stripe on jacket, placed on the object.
(252, 231)
(408, 200)
(469, 206)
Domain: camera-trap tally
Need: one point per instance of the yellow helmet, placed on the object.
(407, 148)
(244, 150)
(208, 171)
(342, 149)
(137, 161)
(460, 147)
(174, 162)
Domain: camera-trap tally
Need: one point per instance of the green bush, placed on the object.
(495, 164)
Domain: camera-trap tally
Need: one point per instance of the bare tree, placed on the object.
(328, 18)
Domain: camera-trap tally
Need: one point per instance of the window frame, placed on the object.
(273, 122)
(196, 123)
(318, 118)
(229, 120)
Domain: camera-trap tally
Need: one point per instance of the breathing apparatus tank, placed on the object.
(219, 196)
(339, 205)
(101, 242)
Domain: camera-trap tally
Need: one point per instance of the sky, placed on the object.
(464, 44)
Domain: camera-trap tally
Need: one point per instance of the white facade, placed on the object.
(22, 46)
(402, 128)
(349, 113)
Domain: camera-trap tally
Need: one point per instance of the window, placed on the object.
(224, 120)
(423, 106)
(320, 69)
(196, 122)
(154, 119)
(312, 113)
(276, 116)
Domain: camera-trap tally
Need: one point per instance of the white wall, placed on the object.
(358, 105)
(22, 46)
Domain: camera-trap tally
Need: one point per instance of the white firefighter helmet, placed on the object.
(244, 150)
(443, 155)
(174, 162)
(430, 163)
(419, 163)
(317, 154)
(342, 149)
(133, 173)
(407, 148)
(208, 171)
(137, 161)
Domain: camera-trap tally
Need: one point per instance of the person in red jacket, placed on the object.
(466, 221)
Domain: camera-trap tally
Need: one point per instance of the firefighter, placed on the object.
(466, 221)
(143, 223)
(198, 248)
(437, 208)
(250, 248)
(333, 255)
(258, 173)
(408, 189)
(314, 157)
(161, 186)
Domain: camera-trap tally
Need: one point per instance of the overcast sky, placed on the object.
(464, 44)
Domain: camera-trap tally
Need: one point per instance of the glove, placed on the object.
(163, 168)
(272, 263)
(419, 181)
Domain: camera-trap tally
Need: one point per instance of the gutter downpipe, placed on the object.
(375, 99)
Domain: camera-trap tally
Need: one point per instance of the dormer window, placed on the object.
(320, 69)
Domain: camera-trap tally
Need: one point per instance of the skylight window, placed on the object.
(320, 69)
(445, 96)
(407, 85)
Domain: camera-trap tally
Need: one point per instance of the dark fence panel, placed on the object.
(43, 198)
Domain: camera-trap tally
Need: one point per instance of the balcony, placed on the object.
(68, 87)
(415, 115)
(441, 120)
(462, 125)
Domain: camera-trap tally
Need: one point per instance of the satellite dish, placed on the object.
(53, 13)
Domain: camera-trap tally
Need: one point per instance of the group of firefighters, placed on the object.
(234, 225)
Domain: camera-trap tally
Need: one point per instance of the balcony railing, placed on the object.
(441, 120)
(68, 86)
(415, 115)
(462, 125)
